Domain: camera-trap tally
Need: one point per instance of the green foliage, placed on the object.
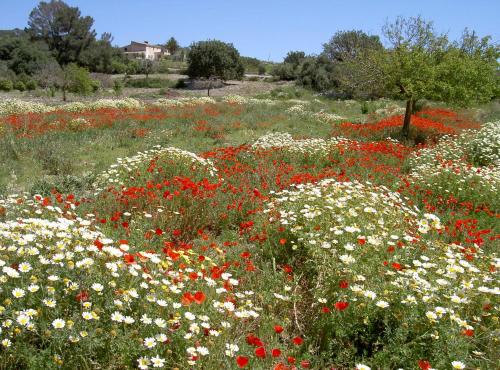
(6, 85)
(149, 83)
(163, 66)
(77, 80)
(350, 44)
(22, 55)
(317, 73)
(172, 45)
(251, 64)
(118, 67)
(63, 28)
(294, 58)
(214, 59)
(19, 85)
(118, 87)
(133, 67)
(285, 72)
(31, 84)
(102, 57)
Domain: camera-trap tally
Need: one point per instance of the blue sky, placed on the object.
(263, 29)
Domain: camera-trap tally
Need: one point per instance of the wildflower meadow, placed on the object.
(248, 233)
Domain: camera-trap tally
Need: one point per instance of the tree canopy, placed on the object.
(350, 44)
(63, 28)
(172, 45)
(422, 64)
(214, 59)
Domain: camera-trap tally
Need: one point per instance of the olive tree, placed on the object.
(421, 64)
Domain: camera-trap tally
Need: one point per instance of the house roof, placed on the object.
(144, 44)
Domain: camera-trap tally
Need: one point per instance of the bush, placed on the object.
(163, 66)
(180, 84)
(5, 84)
(155, 83)
(118, 87)
(31, 85)
(285, 72)
(214, 58)
(77, 80)
(19, 85)
(118, 67)
(262, 69)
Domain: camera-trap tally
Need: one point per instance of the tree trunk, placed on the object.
(64, 93)
(405, 132)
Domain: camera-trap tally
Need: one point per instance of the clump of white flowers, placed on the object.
(301, 111)
(120, 173)
(16, 106)
(184, 102)
(285, 142)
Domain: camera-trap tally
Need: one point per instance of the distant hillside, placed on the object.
(15, 32)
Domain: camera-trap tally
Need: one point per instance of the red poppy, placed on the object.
(199, 297)
(83, 296)
(343, 284)
(341, 305)
(424, 364)
(306, 364)
(278, 329)
(290, 359)
(128, 258)
(275, 352)
(298, 341)
(396, 266)
(260, 352)
(325, 310)
(242, 361)
(98, 244)
(254, 341)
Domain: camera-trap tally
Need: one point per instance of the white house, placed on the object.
(144, 50)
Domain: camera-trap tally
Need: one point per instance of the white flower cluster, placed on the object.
(448, 166)
(238, 99)
(484, 147)
(390, 110)
(120, 172)
(16, 106)
(126, 103)
(184, 102)
(384, 251)
(302, 111)
(48, 264)
(285, 141)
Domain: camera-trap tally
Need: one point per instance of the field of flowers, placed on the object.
(247, 233)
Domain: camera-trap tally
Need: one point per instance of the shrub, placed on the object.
(5, 84)
(285, 72)
(262, 69)
(77, 80)
(19, 85)
(149, 83)
(118, 67)
(208, 59)
(163, 66)
(31, 85)
(118, 87)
